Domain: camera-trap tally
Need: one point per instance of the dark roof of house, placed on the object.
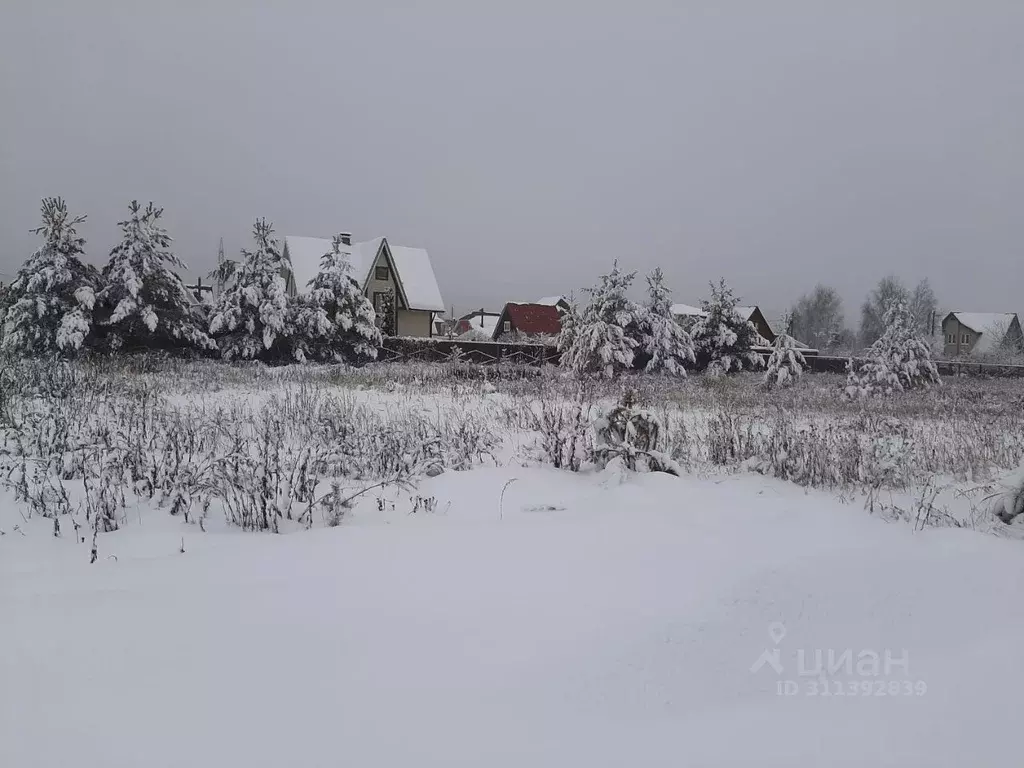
(532, 318)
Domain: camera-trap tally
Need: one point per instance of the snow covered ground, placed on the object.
(585, 619)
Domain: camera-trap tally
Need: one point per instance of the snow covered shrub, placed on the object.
(899, 360)
(887, 456)
(475, 333)
(1008, 503)
(723, 341)
(570, 328)
(786, 362)
(564, 429)
(604, 338)
(50, 302)
(249, 318)
(629, 436)
(335, 322)
(145, 304)
(455, 355)
(729, 438)
(664, 343)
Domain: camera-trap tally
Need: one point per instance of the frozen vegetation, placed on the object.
(481, 569)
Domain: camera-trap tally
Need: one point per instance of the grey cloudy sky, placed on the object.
(528, 144)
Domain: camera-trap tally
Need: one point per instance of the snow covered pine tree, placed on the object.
(607, 331)
(335, 322)
(786, 362)
(145, 304)
(897, 361)
(723, 341)
(249, 319)
(50, 303)
(665, 344)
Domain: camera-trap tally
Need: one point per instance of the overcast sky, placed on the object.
(528, 144)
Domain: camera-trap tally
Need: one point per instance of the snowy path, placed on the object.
(617, 629)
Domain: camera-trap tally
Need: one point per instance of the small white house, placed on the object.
(380, 268)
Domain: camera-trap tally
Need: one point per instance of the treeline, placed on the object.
(817, 318)
(58, 304)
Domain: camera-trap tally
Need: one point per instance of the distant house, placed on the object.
(687, 314)
(479, 324)
(981, 333)
(756, 316)
(379, 268)
(528, 320)
(441, 325)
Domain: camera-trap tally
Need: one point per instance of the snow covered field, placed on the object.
(509, 615)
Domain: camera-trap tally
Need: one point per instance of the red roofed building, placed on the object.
(528, 320)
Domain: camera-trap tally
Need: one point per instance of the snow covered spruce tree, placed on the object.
(335, 322)
(723, 341)
(605, 335)
(897, 361)
(249, 318)
(50, 302)
(145, 304)
(664, 344)
(786, 362)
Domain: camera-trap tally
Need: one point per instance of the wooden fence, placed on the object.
(436, 350)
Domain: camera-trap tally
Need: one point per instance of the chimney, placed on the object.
(346, 238)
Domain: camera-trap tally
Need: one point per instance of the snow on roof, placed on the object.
(416, 276)
(991, 325)
(485, 323)
(979, 322)
(687, 310)
(413, 270)
(549, 301)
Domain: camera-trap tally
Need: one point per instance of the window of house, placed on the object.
(381, 273)
(965, 338)
(506, 327)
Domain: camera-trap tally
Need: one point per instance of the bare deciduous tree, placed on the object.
(817, 318)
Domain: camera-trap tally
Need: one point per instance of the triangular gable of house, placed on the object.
(414, 274)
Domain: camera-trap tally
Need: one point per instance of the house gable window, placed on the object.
(506, 327)
(965, 338)
(381, 273)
